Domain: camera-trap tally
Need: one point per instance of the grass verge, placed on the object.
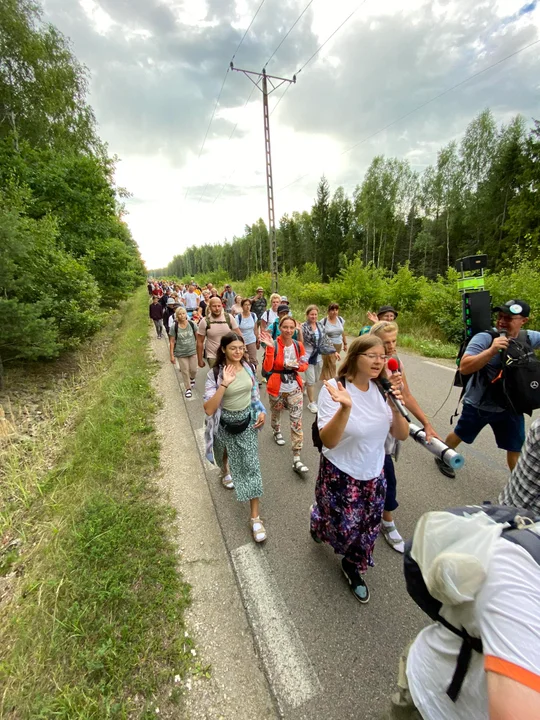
(93, 627)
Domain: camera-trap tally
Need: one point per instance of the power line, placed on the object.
(253, 89)
(298, 71)
(248, 29)
(290, 30)
(221, 89)
(420, 107)
(331, 36)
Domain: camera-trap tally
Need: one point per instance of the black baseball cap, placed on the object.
(514, 307)
(386, 308)
(283, 308)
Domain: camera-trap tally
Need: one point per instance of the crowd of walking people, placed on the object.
(358, 428)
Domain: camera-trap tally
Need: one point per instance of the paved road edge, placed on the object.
(217, 620)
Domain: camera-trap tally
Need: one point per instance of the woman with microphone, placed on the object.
(354, 420)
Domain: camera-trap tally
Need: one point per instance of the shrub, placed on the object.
(440, 304)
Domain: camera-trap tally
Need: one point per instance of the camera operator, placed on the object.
(481, 404)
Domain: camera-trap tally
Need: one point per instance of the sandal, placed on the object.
(299, 467)
(227, 481)
(188, 393)
(258, 530)
(278, 437)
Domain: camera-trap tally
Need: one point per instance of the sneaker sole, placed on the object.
(445, 470)
(362, 602)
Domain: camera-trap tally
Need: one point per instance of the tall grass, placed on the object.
(94, 628)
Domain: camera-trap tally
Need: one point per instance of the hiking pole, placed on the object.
(452, 458)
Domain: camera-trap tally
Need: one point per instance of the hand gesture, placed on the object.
(339, 394)
(372, 317)
(260, 420)
(201, 363)
(229, 375)
(265, 338)
(173, 360)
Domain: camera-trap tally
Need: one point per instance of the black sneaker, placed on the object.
(356, 582)
(444, 468)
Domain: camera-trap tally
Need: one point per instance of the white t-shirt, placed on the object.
(191, 300)
(289, 355)
(269, 316)
(507, 618)
(360, 452)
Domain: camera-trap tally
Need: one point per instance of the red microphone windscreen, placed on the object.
(393, 365)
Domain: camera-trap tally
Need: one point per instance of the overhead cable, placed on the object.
(223, 85)
(420, 107)
(290, 30)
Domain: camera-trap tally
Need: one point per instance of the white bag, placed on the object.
(454, 552)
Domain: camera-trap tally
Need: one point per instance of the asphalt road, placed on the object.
(342, 657)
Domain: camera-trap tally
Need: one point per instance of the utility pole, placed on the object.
(262, 84)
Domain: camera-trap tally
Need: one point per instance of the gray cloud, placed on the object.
(392, 65)
(157, 93)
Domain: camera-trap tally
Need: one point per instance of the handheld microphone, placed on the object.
(387, 387)
(393, 365)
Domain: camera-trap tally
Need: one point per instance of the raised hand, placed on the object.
(229, 375)
(265, 338)
(339, 394)
(372, 317)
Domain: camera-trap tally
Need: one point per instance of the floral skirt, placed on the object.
(243, 454)
(347, 513)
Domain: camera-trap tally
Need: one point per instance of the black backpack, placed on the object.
(417, 589)
(267, 374)
(315, 436)
(517, 386)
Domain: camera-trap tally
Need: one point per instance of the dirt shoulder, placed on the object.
(235, 687)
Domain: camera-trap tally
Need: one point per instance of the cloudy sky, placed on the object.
(157, 67)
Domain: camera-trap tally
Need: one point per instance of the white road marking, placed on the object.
(444, 367)
(289, 668)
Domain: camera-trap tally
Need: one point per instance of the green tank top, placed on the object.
(238, 395)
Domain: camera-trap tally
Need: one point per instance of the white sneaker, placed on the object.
(312, 407)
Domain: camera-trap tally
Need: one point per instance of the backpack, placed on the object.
(341, 320)
(517, 386)
(209, 321)
(239, 319)
(417, 589)
(192, 327)
(267, 374)
(315, 435)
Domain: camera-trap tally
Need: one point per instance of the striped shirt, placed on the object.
(523, 487)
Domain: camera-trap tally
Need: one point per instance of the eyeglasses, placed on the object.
(372, 356)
